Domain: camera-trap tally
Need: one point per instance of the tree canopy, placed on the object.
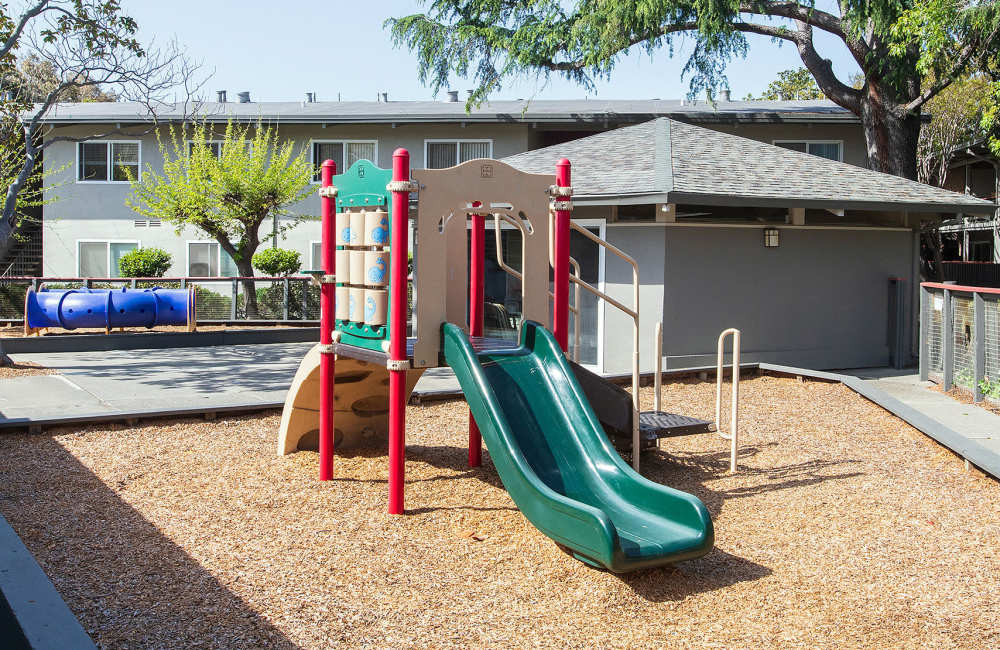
(897, 44)
(791, 84)
(226, 190)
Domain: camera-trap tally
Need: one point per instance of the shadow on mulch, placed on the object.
(80, 543)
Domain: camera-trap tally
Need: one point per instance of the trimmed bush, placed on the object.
(144, 263)
(277, 261)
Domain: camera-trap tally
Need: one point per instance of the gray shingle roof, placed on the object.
(667, 161)
(581, 110)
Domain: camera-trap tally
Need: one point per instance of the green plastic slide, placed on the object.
(558, 465)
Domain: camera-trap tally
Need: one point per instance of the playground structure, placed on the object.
(108, 308)
(545, 419)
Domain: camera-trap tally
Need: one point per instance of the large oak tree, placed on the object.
(898, 44)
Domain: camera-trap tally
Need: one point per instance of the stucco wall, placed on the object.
(819, 300)
(98, 210)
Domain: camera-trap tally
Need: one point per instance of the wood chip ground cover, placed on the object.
(845, 527)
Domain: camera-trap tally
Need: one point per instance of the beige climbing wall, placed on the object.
(361, 404)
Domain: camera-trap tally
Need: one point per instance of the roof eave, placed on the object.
(732, 200)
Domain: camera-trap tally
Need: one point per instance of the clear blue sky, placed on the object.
(281, 50)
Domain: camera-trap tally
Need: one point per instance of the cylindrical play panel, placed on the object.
(107, 308)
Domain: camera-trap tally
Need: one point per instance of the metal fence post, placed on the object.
(36, 283)
(133, 283)
(88, 283)
(305, 299)
(924, 351)
(184, 283)
(979, 345)
(236, 291)
(285, 301)
(948, 344)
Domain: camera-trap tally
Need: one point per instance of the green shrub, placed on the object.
(144, 263)
(277, 261)
(270, 301)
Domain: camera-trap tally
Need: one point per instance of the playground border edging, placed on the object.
(158, 340)
(43, 617)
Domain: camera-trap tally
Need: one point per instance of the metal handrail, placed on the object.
(633, 313)
(734, 422)
(574, 308)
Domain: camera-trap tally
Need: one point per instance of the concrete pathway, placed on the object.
(975, 428)
(92, 384)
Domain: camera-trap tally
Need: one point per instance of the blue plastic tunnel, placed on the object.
(107, 308)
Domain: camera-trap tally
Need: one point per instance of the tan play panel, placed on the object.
(844, 528)
(361, 404)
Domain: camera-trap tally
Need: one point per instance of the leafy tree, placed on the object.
(898, 44)
(145, 263)
(791, 84)
(955, 119)
(74, 50)
(277, 261)
(229, 194)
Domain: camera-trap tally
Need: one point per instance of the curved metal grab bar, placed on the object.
(734, 422)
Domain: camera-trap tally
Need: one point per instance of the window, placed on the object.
(107, 161)
(316, 259)
(215, 146)
(439, 154)
(335, 150)
(99, 259)
(830, 149)
(206, 259)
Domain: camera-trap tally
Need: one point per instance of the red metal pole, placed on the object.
(477, 280)
(560, 271)
(398, 253)
(328, 292)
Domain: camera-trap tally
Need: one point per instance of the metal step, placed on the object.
(666, 425)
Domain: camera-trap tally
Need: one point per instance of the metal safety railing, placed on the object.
(632, 313)
(514, 273)
(218, 299)
(734, 422)
(960, 338)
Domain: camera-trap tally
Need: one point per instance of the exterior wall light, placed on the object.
(771, 238)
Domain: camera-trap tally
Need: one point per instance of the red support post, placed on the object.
(560, 263)
(328, 292)
(477, 281)
(398, 263)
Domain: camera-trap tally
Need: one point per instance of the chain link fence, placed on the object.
(293, 298)
(960, 338)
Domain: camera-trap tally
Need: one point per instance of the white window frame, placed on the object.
(458, 142)
(106, 181)
(316, 163)
(807, 142)
(313, 262)
(187, 257)
(188, 144)
(107, 251)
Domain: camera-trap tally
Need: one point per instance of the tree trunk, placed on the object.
(891, 137)
(249, 288)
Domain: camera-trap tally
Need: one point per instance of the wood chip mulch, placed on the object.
(844, 528)
(25, 369)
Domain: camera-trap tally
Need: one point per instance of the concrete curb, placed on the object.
(34, 425)
(44, 619)
(158, 340)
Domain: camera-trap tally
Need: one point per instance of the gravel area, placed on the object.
(25, 369)
(844, 527)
